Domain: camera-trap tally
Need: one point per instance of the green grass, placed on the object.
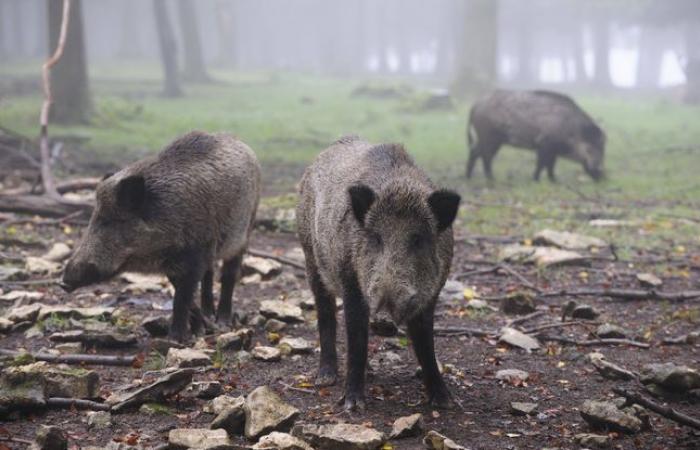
(652, 158)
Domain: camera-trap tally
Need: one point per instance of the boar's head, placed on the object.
(118, 235)
(400, 254)
(589, 150)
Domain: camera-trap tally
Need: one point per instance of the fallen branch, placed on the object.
(40, 205)
(70, 218)
(43, 282)
(523, 319)
(550, 326)
(593, 342)
(662, 410)
(626, 294)
(77, 403)
(520, 277)
(280, 259)
(296, 389)
(63, 187)
(97, 360)
(483, 271)
(459, 331)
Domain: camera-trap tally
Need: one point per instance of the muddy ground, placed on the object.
(560, 376)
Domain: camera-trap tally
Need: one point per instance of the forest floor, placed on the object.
(650, 200)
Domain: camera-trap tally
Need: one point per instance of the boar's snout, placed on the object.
(596, 173)
(401, 304)
(79, 274)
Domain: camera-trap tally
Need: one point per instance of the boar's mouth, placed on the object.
(596, 174)
(88, 275)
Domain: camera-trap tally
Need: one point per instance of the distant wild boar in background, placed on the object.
(552, 124)
(376, 232)
(176, 213)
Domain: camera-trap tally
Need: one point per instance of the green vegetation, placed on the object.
(652, 159)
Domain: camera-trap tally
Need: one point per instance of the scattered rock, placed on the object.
(58, 252)
(221, 403)
(50, 438)
(284, 311)
(606, 415)
(281, 441)
(267, 268)
(21, 390)
(295, 346)
(206, 389)
(69, 348)
(387, 359)
(512, 376)
(186, 357)
(96, 338)
(230, 415)
(342, 436)
(157, 391)
(59, 380)
(6, 325)
(274, 326)
(35, 264)
(669, 376)
(591, 440)
(518, 303)
(436, 441)
(516, 338)
(567, 240)
(21, 297)
(606, 223)
(649, 280)
(585, 312)
(69, 312)
(235, 340)
(522, 408)
(541, 256)
(611, 331)
(266, 412)
(139, 282)
(156, 326)
(268, 354)
(98, 420)
(12, 274)
(199, 438)
(407, 426)
(26, 313)
(453, 290)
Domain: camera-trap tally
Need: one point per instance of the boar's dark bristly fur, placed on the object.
(550, 123)
(175, 213)
(376, 232)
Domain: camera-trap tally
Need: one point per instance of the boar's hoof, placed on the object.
(353, 402)
(180, 336)
(444, 400)
(326, 376)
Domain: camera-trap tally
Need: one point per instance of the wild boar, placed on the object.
(552, 124)
(376, 232)
(175, 213)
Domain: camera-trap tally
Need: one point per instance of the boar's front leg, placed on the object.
(207, 294)
(187, 271)
(357, 329)
(420, 330)
(229, 274)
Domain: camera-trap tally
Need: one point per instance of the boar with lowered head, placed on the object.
(376, 232)
(176, 213)
(552, 124)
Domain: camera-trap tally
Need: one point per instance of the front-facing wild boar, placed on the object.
(176, 213)
(552, 124)
(376, 232)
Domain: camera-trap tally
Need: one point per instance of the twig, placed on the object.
(626, 294)
(280, 259)
(549, 326)
(523, 319)
(78, 403)
(520, 277)
(296, 389)
(16, 439)
(592, 342)
(665, 411)
(477, 272)
(20, 154)
(459, 331)
(56, 221)
(101, 360)
(47, 281)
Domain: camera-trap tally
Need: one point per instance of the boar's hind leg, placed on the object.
(546, 158)
(229, 275)
(207, 288)
(357, 329)
(185, 287)
(420, 329)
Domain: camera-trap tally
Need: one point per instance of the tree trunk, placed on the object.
(3, 38)
(692, 65)
(18, 36)
(601, 42)
(579, 50)
(651, 52)
(477, 56)
(168, 50)
(130, 38)
(193, 69)
(225, 30)
(69, 78)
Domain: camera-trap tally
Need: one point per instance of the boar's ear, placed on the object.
(361, 198)
(444, 205)
(131, 193)
(592, 133)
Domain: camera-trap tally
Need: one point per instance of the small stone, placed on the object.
(516, 338)
(268, 354)
(139, 282)
(163, 387)
(267, 268)
(266, 412)
(50, 438)
(162, 346)
(649, 280)
(342, 436)
(221, 403)
(58, 252)
(155, 409)
(522, 408)
(156, 326)
(541, 256)
(186, 357)
(453, 290)
(12, 274)
(518, 303)
(585, 312)
(274, 326)
(61, 380)
(27, 313)
(284, 311)
(567, 240)
(199, 438)
(258, 320)
(407, 426)
(436, 441)
(512, 376)
(206, 389)
(592, 440)
(6, 325)
(235, 340)
(35, 264)
(610, 331)
(20, 296)
(230, 416)
(281, 441)
(98, 420)
(295, 346)
(386, 360)
(604, 414)
(480, 305)
(69, 348)
(21, 390)
(670, 376)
